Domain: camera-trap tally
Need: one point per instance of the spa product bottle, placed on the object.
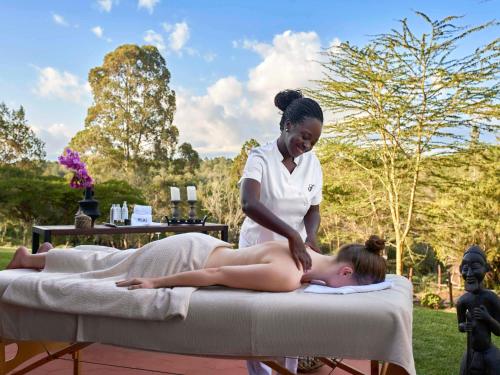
(117, 213)
(124, 211)
(112, 214)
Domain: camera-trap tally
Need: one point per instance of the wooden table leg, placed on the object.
(77, 365)
(47, 236)
(2, 357)
(224, 234)
(35, 242)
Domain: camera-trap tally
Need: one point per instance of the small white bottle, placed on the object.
(112, 214)
(117, 213)
(124, 211)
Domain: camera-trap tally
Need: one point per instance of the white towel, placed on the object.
(323, 289)
(82, 280)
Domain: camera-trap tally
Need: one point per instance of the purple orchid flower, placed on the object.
(71, 160)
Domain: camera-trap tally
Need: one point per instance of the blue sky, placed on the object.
(227, 58)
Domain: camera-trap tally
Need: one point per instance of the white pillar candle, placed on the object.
(175, 194)
(191, 193)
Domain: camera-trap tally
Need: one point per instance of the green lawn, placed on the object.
(5, 256)
(437, 344)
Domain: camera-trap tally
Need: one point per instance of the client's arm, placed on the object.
(268, 277)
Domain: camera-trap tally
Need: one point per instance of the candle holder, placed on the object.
(192, 212)
(175, 212)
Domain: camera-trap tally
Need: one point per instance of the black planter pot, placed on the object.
(89, 205)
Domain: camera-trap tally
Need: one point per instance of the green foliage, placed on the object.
(28, 198)
(465, 210)
(352, 208)
(220, 195)
(130, 122)
(188, 161)
(18, 142)
(241, 159)
(401, 98)
(431, 300)
(422, 258)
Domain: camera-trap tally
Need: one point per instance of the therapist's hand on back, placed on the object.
(299, 253)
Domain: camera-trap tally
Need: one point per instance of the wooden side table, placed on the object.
(47, 231)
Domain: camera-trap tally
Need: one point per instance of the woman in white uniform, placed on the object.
(281, 189)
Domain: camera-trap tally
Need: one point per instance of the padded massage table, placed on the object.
(235, 324)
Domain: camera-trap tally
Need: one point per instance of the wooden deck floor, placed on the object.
(107, 360)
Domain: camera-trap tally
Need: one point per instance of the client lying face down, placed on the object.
(264, 267)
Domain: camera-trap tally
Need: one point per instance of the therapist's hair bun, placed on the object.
(284, 98)
(375, 244)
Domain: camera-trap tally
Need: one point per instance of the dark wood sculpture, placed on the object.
(478, 312)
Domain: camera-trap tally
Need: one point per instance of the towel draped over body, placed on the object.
(82, 280)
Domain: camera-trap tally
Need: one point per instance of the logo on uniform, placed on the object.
(310, 187)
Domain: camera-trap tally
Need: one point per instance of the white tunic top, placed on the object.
(287, 195)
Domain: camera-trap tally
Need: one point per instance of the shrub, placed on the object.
(431, 300)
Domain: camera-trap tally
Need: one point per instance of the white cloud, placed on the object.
(105, 5)
(260, 48)
(179, 36)
(167, 27)
(61, 85)
(155, 39)
(98, 31)
(56, 137)
(59, 19)
(240, 110)
(148, 4)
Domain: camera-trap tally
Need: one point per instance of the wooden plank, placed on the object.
(50, 357)
(334, 363)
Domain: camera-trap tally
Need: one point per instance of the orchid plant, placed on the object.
(71, 160)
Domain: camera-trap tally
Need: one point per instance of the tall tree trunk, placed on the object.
(399, 256)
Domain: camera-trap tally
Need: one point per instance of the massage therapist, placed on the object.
(281, 189)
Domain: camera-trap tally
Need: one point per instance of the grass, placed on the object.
(5, 256)
(438, 346)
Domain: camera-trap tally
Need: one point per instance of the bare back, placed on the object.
(265, 253)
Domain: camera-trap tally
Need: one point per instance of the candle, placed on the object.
(175, 194)
(191, 193)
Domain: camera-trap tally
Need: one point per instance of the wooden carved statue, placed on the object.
(478, 312)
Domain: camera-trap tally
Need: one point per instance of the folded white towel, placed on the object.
(323, 289)
(143, 210)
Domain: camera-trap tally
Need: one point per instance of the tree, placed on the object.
(465, 211)
(188, 160)
(403, 97)
(351, 209)
(220, 195)
(241, 159)
(28, 198)
(130, 121)
(18, 142)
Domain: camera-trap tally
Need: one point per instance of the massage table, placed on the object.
(231, 323)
